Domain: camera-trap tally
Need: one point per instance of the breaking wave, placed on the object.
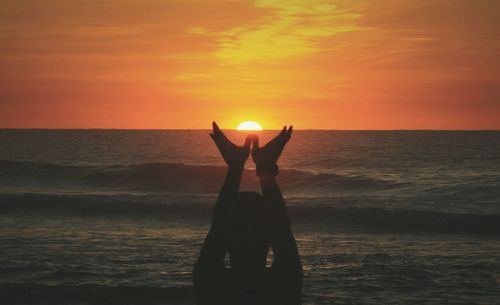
(171, 177)
(192, 208)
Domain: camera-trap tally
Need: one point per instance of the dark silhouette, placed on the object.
(245, 224)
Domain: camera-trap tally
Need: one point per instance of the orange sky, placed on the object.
(350, 64)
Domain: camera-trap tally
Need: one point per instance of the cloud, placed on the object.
(288, 29)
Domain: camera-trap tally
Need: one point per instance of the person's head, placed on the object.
(248, 239)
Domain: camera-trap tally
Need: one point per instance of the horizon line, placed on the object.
(208, 129)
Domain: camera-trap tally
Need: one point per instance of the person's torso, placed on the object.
(267, 294)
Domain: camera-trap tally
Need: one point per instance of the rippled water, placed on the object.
(113, 217)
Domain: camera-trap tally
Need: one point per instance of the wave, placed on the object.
(198, 208)
(171, 177)
(93, 294)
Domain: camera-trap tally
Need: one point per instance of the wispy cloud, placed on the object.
(287, 29)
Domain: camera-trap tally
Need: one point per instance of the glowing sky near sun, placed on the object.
(373, 64)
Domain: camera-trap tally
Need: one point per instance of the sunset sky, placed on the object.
(374, 64)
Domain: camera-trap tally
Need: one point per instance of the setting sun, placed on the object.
(249, 125)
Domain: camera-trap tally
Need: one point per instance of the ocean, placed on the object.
(380, 217)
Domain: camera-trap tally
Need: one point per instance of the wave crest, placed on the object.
(172, 177)
(199, 208)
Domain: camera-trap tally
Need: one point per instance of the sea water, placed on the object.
(380, 217)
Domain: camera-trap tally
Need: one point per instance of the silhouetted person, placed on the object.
(245, 225)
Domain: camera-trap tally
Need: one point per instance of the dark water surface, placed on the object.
(117, 217)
